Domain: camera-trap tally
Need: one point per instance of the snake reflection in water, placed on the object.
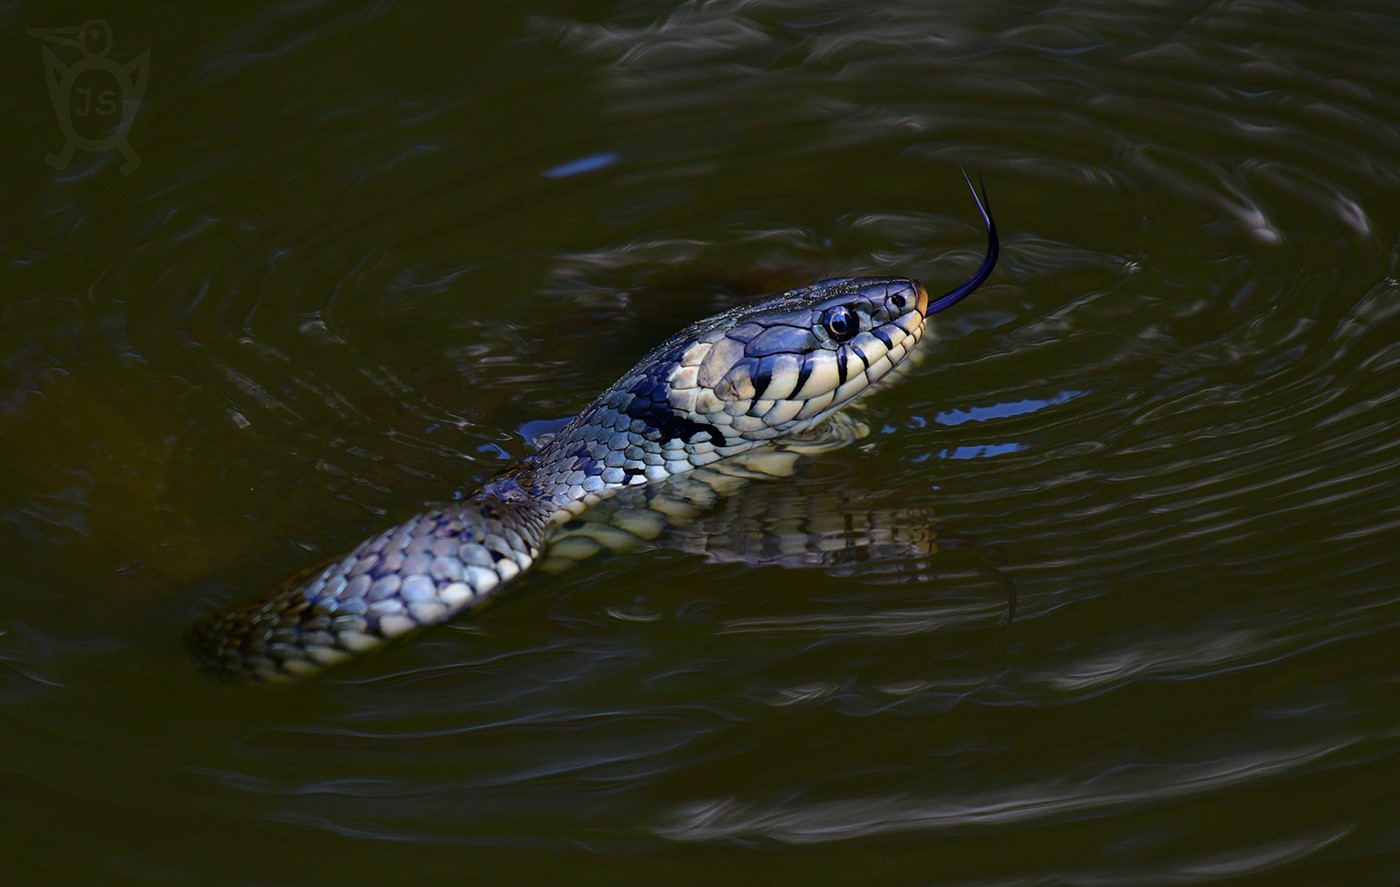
(756, 379)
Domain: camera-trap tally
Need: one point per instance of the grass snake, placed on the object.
(748, 378)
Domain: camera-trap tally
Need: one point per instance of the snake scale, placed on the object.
(749, 377)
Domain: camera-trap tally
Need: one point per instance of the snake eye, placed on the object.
(840, 323)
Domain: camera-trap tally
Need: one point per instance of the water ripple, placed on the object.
(1164, 430)
(819, 822)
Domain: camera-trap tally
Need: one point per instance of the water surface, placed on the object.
(365, 247)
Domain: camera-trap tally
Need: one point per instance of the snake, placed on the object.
(750, 377)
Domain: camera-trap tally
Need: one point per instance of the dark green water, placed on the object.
(363, 246)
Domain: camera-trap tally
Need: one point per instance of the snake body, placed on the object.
(726, 385)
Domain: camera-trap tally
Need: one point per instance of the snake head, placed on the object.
(782, 366)
(753, 374)
(778, 368)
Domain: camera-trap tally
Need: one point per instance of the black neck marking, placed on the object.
(669, 426)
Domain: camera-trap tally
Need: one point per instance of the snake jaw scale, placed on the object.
(718, 362)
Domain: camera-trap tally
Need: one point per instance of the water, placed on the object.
(364, 249)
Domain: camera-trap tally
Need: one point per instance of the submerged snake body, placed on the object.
(723, 386)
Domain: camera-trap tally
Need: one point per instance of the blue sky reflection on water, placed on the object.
(591, 163)
(1003, 410)
(981, 451)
